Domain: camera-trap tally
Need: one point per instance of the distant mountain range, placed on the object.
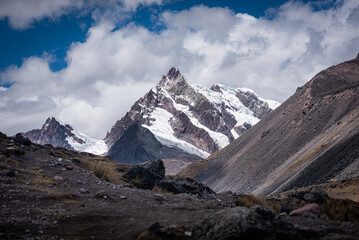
(173, 121)
(63, 135)
(312, 138)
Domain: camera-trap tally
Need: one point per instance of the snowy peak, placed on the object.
(194, 119)
(172, 80)
(64, 135)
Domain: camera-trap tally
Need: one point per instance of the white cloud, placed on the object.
(23, 13)
(108, 72)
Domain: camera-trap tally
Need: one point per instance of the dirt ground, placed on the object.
(49, 193)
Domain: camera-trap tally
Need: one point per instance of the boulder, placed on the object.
(311, 209)
(19, 138)
(156, 166)
(192, 186)
(8, 173)
(237, 223)
(142, 177)
(171, 187)
(311, 195)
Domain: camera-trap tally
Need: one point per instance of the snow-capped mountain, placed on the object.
(177, 121)
(63, 135)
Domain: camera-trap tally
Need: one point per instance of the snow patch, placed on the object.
(164, 133)
(219, 138)
(233, 105)
(234, 133)
(90, 145)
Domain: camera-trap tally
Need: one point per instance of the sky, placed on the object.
(86, 62)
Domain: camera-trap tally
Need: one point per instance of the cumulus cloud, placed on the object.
(108, 72)
(23, 13)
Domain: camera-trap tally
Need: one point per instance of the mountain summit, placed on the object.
(176, 121)
(63, 135)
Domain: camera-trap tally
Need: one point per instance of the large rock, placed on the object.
(150, 175)
(193, 187)
(311, 195)
(22, 140)
(156, 166)
(142, 177)
(311, 209)
(237, 223)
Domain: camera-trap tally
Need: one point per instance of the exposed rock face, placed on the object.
(251, 101)
(63, 135)
(52, 132)
(151, 174)
(176, 120)
(310, 139)
(237, 223)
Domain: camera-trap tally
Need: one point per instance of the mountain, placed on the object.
(312, 138)
(63, 135)
(176, 121)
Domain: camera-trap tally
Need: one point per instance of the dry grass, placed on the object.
(62, 196)
(160, 190)
(43, 181)
(341, 210)
(105, 170)
(251, 200)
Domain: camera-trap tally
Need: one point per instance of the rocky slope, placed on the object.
(311, 138)
(176, 121)
(54, 193)
(64, 135)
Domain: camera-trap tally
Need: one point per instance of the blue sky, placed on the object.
(91, 59)
(54, 36)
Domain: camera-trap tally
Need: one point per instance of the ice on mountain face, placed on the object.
(233, 104)
(220, 139)
(271, 103)
(234, 133)
(164, 133)
(89, 145)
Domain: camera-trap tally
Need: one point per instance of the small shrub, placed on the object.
(159, 189)
(62, 196)
(251, 200)
(341, 210)
(104, 170)
(43, 181)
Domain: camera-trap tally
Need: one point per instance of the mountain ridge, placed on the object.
(194, 119)
(299, 143)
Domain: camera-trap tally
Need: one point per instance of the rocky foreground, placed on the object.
(53, 193)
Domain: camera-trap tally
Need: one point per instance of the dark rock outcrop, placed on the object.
(151, 174)
(19, 138)
(237, 223)
(142, 177)
(310, 195)
(156, 166)
(138, 145)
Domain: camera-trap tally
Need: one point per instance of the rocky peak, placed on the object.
(357, 56)
(216, 88)
(172, 79)
(51, 122)
(63, 135)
